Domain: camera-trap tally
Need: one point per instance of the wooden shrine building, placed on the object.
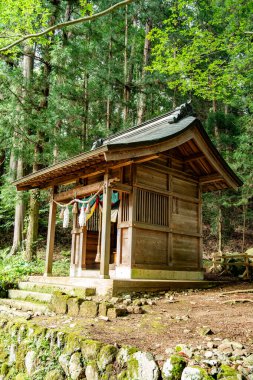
(158, 171)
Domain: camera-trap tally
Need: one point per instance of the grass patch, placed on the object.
(14, 268)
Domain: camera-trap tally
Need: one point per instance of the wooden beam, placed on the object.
(50, 237)
(211, 178)
(122, 187)
(106, 229)
(77, 192)
(194, 157)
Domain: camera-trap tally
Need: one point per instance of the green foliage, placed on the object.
(14, 268)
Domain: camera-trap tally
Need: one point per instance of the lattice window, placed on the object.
(152, 208)
(125, 207)
(93, 222)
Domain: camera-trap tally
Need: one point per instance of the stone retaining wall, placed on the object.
(31, 352)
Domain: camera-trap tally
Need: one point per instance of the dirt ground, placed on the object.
(167, 323)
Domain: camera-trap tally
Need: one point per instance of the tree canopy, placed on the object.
(72, 71)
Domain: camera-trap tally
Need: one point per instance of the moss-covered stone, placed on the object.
(90, 349)
(73, 344)
(21, 354)
(104, 307)
(55, 374)
(115, 312)
(74, 306)
(84, 292)
(228, 373)
(132, 368)
(173, 368)
(76, 369)
(110, 373)
(3, 353)
(195, 373)
(106, 356)
(4, 369)
(142, 365)
(124, 354)
(91, 371)
(88, 309)
(123, 375)
(59, 302)
(21, 376)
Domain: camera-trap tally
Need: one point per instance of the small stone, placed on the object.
(211, 363)
(127, 302)
(226, 347)
(114, 300)
(236, 345)
(191, 373)
(137, 302)
(248, 360)
(205, 330)
(103, 318)
(210, 345)
(208, 354)
(238, 353)
(130, 309)
(138, 310)
(151, 302)
(116, 312)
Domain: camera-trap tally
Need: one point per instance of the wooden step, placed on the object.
(28, 306)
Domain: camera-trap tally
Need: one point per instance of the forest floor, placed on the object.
(179, 320)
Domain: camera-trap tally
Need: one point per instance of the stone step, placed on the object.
(28, 306)
(44, 287)
(29, 295)
(10, 312)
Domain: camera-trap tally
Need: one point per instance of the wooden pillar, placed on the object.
(50, 236)
(73, 245)
(106, 229)
(82, 250)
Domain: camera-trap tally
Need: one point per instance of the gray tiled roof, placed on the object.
(152, 132)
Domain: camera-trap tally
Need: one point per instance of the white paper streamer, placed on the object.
(82, 217)
(66, 218)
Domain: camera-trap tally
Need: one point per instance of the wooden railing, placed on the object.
(243, 260)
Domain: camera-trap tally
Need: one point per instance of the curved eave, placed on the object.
(197, 129)
(238, 182)
(42, 178)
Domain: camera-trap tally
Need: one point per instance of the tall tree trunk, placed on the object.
(32, 232)
(28, 62)
(146, 55)
(19, 213)
(108, 101)
(245, 209)
(126, 84)
(86, 105)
